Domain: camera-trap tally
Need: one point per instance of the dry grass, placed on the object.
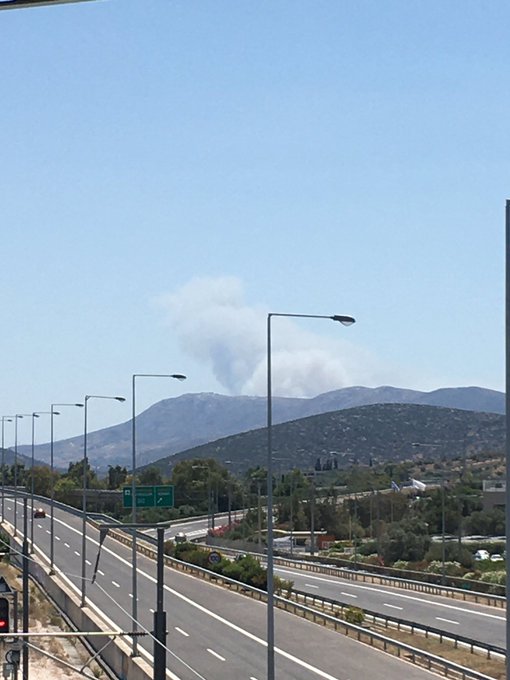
(45, 618)
(476, 660)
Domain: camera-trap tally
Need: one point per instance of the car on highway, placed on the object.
(39, 513)
(180, 537)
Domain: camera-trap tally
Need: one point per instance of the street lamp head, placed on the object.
(178, 376)
(80, 405)
(35, 415)
(120, 398)
(344, 320)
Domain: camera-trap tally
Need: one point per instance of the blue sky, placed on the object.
(172, 171)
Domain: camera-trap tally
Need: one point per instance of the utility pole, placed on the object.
(312, 515)
(160, 614)
(259, 515)
(26, 599)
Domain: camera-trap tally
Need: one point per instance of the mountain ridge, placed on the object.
(181, 423)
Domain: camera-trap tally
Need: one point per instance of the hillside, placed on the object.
(187, 421)
(381, 432)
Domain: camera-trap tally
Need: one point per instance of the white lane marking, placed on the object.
(393, 606)
(67, 545)
(151, 611)
(447, 620)
(39, 526)
(201, 608)
(100, 572)
(309, 585)
(400, 595)
(218, 656)
(181, 631)
(252, 677)
(117, 585)
(89, 563)
(76, 553)
(131, 595)
(49, 532)
(349, 594)
(57, 538)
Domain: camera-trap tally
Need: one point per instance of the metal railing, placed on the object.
(399, 649)
(393, 581)
(335, 606)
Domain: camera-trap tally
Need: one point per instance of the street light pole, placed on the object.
(134, 612)
(18, 415)
(346, 321)
(312, 513)
(443, 509)
(52, 483)
(5, 419)
(507, 405)
(84, 497)
(35, 415)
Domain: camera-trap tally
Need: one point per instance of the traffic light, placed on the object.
(4, 615)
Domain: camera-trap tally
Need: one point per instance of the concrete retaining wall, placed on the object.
(117, 654)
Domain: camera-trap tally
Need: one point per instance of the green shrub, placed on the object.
(401, 564)
(450, 568)
(354, 615)
(495, 577)
(282, 586)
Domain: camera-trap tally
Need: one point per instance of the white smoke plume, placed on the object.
(215, 325)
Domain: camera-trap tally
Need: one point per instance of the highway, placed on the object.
(214, 634)
(486, 624)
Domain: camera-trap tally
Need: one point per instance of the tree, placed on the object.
(63, 486)
(205, 483)
(407, 540)
(75, 474)
(117, 477)
(150, 476)
(42, 480)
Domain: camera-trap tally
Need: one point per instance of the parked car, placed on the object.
(482, 555)
(39, 513)
(497, 558)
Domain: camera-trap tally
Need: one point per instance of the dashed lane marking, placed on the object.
(218, 656)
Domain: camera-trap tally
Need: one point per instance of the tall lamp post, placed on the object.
(16, 417)
(346, 321)
(443, 512)
(84, 499)
(507, 409)
(35, 415)
(176, 376)
(5, 419)
(52, 483)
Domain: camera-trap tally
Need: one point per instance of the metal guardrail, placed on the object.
(418, 586)
(498, 601)
(412, 626)
(416, 656)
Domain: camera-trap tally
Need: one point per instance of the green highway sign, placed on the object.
(149, 496)
(164, 496)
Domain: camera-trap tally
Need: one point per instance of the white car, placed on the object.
(482, 555)
(497, 558)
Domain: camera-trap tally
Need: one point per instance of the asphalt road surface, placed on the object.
(214, 634)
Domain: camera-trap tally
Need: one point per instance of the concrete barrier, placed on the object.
(116, 654)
